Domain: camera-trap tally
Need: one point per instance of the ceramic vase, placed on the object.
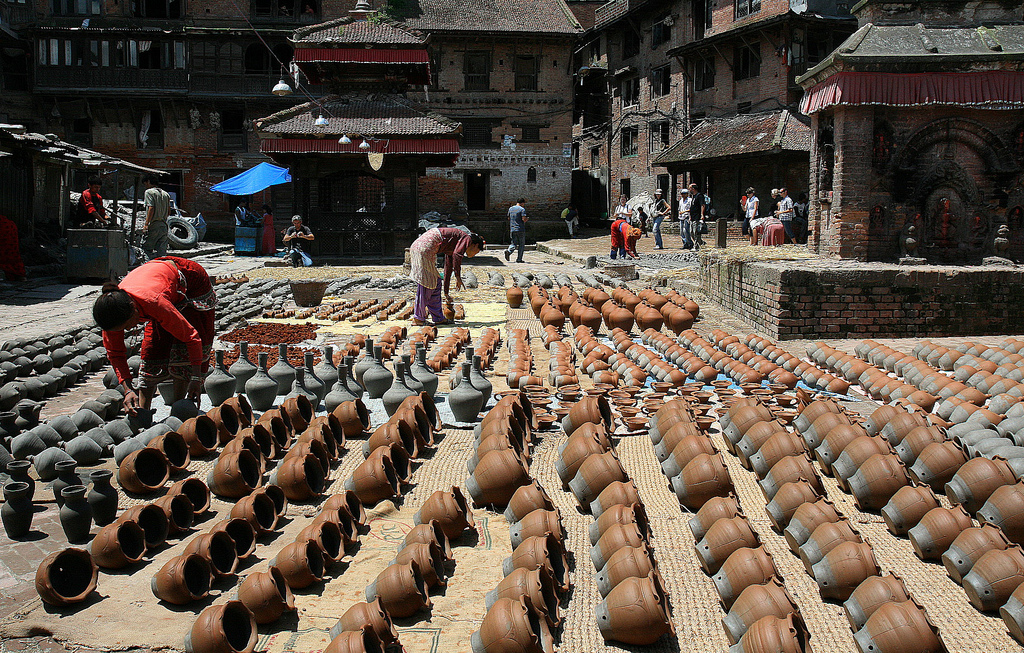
(282, 372)
(220, 384)
(242, 369)
(364, 363)
(66, 477)
(340, 393)
(326, 371)
(261, 388)
(313, 382)
(350, 381)
(17, 511)
(300, 388)
(479, 381)
(377, 378)
(398, 391)
(102, 497)
(423, 373)
(466, 401)
(76, 513)
(411, 381)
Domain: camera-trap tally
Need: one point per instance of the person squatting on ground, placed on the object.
(517, 220)
(662, 209)
(624, 237)
(454, 244)
(293, 237)
(175, 299)
(158, 205)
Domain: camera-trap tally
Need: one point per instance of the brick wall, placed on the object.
(796, 300)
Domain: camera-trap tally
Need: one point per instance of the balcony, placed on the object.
(17, 15)
(251, 85)
(67, 78)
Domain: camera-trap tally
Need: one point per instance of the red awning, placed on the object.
(987, 90)
(361, 55)
(385, 145)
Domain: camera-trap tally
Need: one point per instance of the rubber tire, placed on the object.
(181, 234)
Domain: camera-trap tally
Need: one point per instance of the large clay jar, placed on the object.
(723, 538)
(75, 514)
(714, 509)
(897, 626)
(496, 478)
(152, 520)
(118, 545)
(537, 586)
(219, 384)
(1005, 509)
(745, 567)
(261, 388)
(877, 480)
(976, 480)
(635, 612)
(937, 464)
(377, 378)
(401, 589)
(511, 624)
(200, 434)
(870, 595)
(242, 369)
(225, 628)
(703, 477)
(633, 513)
(282, 372)
(626, 562)
(540, 551)
(969, 546)
(514, 295)
(788, 500)
(353, 416)
(66, 577)
(17, 510)
(372, 615)
(994, 577)
(267, 595)
(218, 549)
(182, 579)
(615, 494)
(449, 509)
(465, 400)
(595, 474)
(906, 508)
(843, 569)
(788, 470)
(374, 480)
(1012, 613)
(786, 634)
(613, 539)
(754, 603)
(301, 478)
(234, 475)
(525, 500)
(242, 534)
(143, 471)
(301, 563)
(593, 410)
(259, 510)
(825, 538)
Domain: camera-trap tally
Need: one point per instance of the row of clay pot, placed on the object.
(803, 370)
(561, 365)
(696, 472)
(520, 364)
(448, 349)
(504, 439)
(1004, 359)
(525, 607)
(606, 365)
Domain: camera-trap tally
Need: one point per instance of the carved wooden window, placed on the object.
(527, 69)
(477, 71)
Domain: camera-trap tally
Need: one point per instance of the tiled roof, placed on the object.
(372, 115)
(502, 16)
(349, 32)
(742, 134)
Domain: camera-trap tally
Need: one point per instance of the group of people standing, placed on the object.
(777, 221)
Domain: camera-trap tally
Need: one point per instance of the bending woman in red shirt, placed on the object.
(175, 299)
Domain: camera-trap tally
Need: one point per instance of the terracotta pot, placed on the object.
(901, 425)
(196, 491)
(616, 493)
(301, 563)
(347, 500)
(525, 500)
(969, 546)
(635, 612)
(994, 577)
(937, 464)
(575, 450)
(937, 530)
(894, 625)
(225, 628)
(429, 533)
(182, 579)
(1013, 614)
(66, 577)
(301, 478)
(234, 475)
(374, 480)
(144, 471)
(259, 510)
(788, 470)
(347, 533)
(723, 538)
(298, 411)
(813, 411)
(429, 559)
(496, 478)
(878, 419)
(835, 443)
(613, 539)
(537, 586)
(538, 522)
(218, 549)
(514, 295)
(684, 451)
(364, 640)
(450, 510)
(267, 595)
(714, 509)
(179, 511)
(755, 603)
(786, 634)
(595, 474)
(744, 419)
(401, 589)
(843, 569)
(854, 455)
(872, 594)
(788, 500)
(372, 615)
(877, 480)
(242, 535)
(780, 445)
(118, 545)
(200, 434)
(626, 562)
(906, 508)
(745, 567)
(588, 410)
(1005, 509)
(976, 480)
(511, 624)
(621, 514)
(540, 551)
(153, 521)
(815, 434)
(825, 538)
(226, 421)
(703, 477)
(915, 442)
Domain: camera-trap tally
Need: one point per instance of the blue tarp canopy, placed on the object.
(253, 180)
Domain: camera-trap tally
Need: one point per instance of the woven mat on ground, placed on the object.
(478, 315)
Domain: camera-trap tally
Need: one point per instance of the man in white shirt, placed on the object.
(785, 212)
(684, 212)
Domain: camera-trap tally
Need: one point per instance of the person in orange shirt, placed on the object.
(174, 298)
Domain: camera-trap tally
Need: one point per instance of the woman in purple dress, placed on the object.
(454, 244)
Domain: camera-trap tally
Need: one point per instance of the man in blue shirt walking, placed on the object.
(517, 227)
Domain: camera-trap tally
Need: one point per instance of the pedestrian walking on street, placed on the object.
(572, 220)
(269, 244)
(454, 244)
(693, 223)
(293, 238)
(517, 220)
(174, 298)
(158, 205)
(785, 212)
(662, 209)
(684, 215)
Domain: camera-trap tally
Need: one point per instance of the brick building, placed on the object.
(918, 131)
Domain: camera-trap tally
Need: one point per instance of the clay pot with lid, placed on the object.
(780, 445)
(787, 500)
(401, 589)
(540, 551)
(635, 612)
(1005, 509)
(976, 480)
(723, 538)
(496, 477)
(872, 593)
(994, 577)
(745, 567)
(525, 500)
(182, 579)
(510, 625)
(595, 474)
(225, 628)
(715, 508)
(969, 546)
(787, 470)
(844, 568)
(877, 480)
(535, 584)
(755, 603)
(118, 545)
(937, 530)
(937, 464)
(906, 508)
(825, 538)
(372, 615)
(895, 626)
(66, 577)
(301, 563)
(786, 634)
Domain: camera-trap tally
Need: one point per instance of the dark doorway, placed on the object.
(476, 190)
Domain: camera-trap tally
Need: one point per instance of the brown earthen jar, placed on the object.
(870, 595)
(635, 612)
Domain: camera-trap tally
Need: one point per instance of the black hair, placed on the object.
(521, 200)
(266, 207)
(94, 180)
(476, 239)
(113, 307)
(150, 179)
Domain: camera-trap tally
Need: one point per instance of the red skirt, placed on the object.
(10, 254)
(163, 355)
